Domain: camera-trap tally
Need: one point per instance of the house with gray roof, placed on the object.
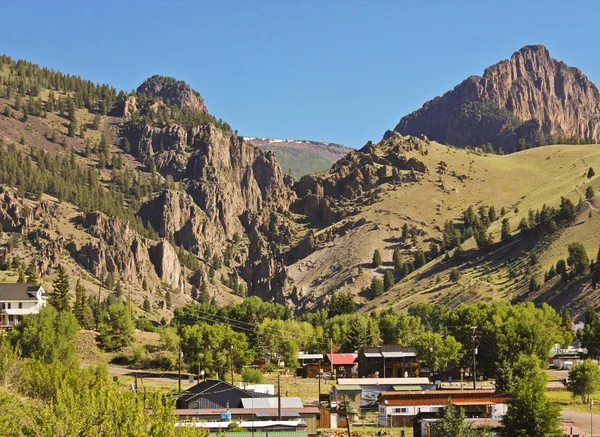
(18, 300)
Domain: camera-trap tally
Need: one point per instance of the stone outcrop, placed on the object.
(121, 251)
(530, 96)
(167, 266)
(173, 92)
(327, 197)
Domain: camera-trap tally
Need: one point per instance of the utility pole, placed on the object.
(331, 354)
(179, 365)
(346, 407)
(98, 312)
(473, 338)
(591, 417)
(278, 396)
(231, 364)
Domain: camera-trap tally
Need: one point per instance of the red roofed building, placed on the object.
(344, 365)
(400, 408)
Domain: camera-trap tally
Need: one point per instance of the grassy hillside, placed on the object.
(517, 182)
(301, 157)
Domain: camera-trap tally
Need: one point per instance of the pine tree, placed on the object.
(388, 280)
(419, 260)
(21, 279)
(505, 232)
(397, 259)
(81, 309)
(357, 334)
(591, 173)
(204, 297)
(376, 262)
(377, 287)
(168, 299)
(147, 306)
(59, 298)
(32, 277)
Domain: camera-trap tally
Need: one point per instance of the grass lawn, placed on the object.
(371, 430)
(567, 402)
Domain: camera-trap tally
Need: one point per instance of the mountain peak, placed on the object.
(173, 92)
(530, 96)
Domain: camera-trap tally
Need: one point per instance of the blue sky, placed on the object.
(329, 70)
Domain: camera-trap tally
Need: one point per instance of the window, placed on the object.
(400, 410)
(20, 305)
(9, 305)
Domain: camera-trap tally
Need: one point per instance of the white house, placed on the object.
(17, 300)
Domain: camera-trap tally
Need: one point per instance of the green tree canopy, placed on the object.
(584, 380)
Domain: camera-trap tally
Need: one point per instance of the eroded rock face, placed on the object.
(356, 176)
(531, 96)
(167, 266)
(173, 92)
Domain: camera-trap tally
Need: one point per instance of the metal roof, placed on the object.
(348, 387)
(383, 381)
(373, 354)
(291, 402)
(407, 387)
(342, 359)
(302, 356)
(398, 354)
(244, 411)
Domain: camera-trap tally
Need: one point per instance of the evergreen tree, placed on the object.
(388, 280)
(147, 307)
(578, 259)
(204, 297)
(32, 276)
(591, 173)
(492, 216)
(419, 259)
(455, 275)
(21, 279)
(376, 262)
(589, 192)
(59, 298)
(81, 309)
(377, 287)
(505, 231)
(357, 334)
(168, 299)
(397, 260)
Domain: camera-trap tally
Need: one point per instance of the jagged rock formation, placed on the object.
(530, 96)
(222, 179)
(121, 251)
(173, 92)
(322, 197)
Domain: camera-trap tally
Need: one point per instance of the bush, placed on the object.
(254, 376)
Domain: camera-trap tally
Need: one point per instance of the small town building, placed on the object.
(344, 365)
(267, 389)
(256, 428)
(389, 361)
(400, 408)
(310, 365)
(17, 300)
(362, 393)
(298, 418)
(213, 393)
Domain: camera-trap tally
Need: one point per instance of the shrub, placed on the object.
(254, 376)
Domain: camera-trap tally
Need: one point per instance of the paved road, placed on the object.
(161, 377)
(582, 420)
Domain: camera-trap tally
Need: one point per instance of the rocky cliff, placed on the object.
(222, 181)
(530, 96)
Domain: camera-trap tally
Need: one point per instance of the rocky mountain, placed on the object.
(148, 195)
(530, 96)
(301, 157)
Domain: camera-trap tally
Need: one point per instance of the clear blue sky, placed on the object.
(330, 70)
